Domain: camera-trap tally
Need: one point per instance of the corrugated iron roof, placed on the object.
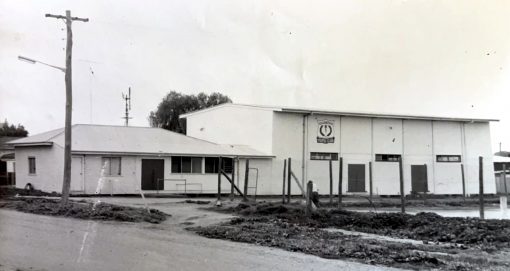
(500, 159)
(304, 110)
(135, 140)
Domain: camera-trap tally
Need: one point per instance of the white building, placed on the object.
(433, 149)
(125, 160)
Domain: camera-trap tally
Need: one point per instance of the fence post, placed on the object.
(402, 193)
(331, 182)
(289, 173)
(504, 179)
(309, 187)
(232, 195)
(370, 179)
(246, 176)
(283, 186)
(480, 191)
(219, 182)
(340, 176)
(463, 182)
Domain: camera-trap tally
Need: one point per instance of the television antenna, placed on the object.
(127, 100)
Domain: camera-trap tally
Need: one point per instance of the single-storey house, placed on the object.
(126, 160)
(440, 155)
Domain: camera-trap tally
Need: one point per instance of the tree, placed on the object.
(11, 130)
(174, 104)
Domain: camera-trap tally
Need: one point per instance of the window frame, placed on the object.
(388, 157)
(108, 173)
(323, 156)
(449, 158)
(191, 167)
(30, 164)
(215, 165)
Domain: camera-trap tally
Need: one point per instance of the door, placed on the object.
(153, 171)
(356, 182)
(77, 174)
(419, 178)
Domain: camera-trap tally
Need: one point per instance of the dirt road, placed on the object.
(34, 242)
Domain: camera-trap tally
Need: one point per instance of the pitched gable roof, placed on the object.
(135, 140)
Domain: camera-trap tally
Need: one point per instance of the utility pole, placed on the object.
(66, 186)
(127, 99)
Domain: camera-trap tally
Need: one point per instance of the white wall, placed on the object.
(356, 148)
(130, 180)
(234, 125)
(318, 170)
(387, 139)
(478, 143)
(287, 141)
(417, 151)
(127, 183)
(49, 167)
(447, 141)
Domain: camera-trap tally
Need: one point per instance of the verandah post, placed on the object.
(246, 176)
(219, 181)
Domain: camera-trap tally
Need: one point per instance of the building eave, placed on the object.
(311, 111)
(162, 154)
(32, 144)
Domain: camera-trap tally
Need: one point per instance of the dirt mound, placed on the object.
(200, 202)
(276, 232)
(490, 233)
(84, 210)
(12, 191)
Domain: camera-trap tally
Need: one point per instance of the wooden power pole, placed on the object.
(66, 186)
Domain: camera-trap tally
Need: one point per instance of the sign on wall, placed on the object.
(325, 131)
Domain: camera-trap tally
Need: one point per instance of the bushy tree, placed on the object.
(12, 130)
(174, 104)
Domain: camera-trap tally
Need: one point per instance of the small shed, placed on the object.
(501, 171)
(7, 174)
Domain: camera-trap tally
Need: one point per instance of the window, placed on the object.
(211, 164)
(176, 164)
(324, 156)
(196, 165)
(227, 164)
(387, 157)
(112, 166)
(448, 158)
(186, 164)
(31, 165)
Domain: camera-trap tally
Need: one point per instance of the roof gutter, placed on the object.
(30, 144)
(170, 154)
(386, 116)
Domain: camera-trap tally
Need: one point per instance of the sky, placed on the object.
(441, 58)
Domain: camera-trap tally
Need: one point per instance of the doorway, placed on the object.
(77, 174)
(153, 171)
(419, 179)
(356, 181)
